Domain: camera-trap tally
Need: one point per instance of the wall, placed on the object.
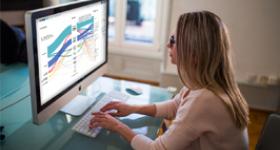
(254, 27)
(134, 67)
(254, 30)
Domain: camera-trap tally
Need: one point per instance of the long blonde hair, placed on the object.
(203, 57)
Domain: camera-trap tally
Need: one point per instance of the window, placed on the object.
(140, 21)
(112, 18)
(137, 26)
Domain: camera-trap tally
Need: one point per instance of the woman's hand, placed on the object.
(122, 109)
(104, 120)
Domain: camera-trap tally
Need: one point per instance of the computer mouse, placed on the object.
(134, 91)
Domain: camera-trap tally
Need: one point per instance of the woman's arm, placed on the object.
(149, 110)
(165, 109)
(124, 109)
(180, 134)
(104, 120)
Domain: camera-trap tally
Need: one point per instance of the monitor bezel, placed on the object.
(37, 14)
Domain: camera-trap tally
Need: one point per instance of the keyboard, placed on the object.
(82, 125)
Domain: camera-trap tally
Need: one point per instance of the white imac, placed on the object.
(67, 51)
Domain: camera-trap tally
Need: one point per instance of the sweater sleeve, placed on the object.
(168, 108)
(176, 137)
(190, 123)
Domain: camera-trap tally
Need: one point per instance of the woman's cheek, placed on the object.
(173, 56)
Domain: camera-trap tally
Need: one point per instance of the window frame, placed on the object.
(118, 44)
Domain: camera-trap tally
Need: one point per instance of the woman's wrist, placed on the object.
(125, 132)
(149, 109)
(134, 109)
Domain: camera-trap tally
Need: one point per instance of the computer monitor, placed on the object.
(67, 51)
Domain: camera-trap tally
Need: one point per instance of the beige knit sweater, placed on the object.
(201, 122)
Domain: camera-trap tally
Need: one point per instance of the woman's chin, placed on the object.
(173, 62)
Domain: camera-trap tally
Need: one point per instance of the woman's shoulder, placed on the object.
(209, 95)
(183, 89)
(203, 97)
(181, 93)
(208, 100)
(203, 105)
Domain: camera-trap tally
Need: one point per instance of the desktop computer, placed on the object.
(67, 51)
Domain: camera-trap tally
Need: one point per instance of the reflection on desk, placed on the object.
(57, 133)
(14, 80)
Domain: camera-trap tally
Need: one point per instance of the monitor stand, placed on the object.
(78, 105)
(81, 103)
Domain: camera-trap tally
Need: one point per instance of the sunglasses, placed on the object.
(172, 40)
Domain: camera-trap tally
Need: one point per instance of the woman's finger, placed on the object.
(111, 105)
(116, 114)
(99, 124)
(93, 125)
(98, 117)
(96, 121)
(98, 113)
(99, 121)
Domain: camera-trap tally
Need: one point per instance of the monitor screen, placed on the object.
(70, 45)
(67, 45)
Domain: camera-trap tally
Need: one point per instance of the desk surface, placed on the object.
(57, 133)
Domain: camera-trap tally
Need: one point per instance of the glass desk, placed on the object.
(57, 132)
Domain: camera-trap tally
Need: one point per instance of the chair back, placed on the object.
(270, 136)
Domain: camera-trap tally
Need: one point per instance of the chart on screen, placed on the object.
(66, 47)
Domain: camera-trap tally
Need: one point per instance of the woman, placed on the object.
(209, 112)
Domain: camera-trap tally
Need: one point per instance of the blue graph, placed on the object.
(66, 32)
(60, 52)
(85, 29)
